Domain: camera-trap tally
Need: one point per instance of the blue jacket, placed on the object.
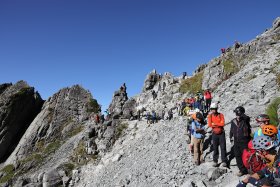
(197, 125)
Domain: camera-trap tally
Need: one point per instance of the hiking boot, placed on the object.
(215, 164)
(224, 164)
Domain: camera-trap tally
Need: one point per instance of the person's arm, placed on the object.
(209, 120)
(193, 126)
(231, 131)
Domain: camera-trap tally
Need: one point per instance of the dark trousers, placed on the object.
(238, 150)
(219, 140)
(208, 103)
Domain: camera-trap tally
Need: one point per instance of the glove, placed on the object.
(241, 184)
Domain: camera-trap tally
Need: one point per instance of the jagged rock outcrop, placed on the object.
(151, 80)
(19, 105)
(121, 106)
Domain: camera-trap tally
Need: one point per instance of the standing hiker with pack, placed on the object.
(217, 122)
(198, 127)
(240, 131)
(207, 98)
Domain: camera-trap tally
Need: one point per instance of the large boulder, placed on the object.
(19, 105)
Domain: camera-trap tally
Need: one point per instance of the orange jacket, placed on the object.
(216, 120)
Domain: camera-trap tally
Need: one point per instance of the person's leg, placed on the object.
(201, 150)
(215, 140)
(222, 142)
(196, 150)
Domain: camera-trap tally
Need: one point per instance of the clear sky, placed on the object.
(101, 44)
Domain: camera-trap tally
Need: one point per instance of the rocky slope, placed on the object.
(16, 100)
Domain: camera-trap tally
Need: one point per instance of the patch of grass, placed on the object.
(229, 67)
(74, 131)
(52, 147)
(93, 106)
(278, 79)
(68, 167)
(9, 172)
(271, 111)
(33, 157)
(120, 129)
(192, 84)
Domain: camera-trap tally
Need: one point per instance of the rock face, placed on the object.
(61, 114)
(19, 105)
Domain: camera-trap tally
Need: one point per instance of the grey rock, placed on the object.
(51, 179)
(214, 174)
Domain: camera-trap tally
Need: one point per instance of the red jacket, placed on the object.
(207, 95)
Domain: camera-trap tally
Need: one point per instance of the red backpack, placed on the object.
(253, 160)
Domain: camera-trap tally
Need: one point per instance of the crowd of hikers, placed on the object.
(256, 154)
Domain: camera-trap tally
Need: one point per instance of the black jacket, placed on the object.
(240, 130)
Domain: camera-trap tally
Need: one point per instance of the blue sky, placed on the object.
(101, 44)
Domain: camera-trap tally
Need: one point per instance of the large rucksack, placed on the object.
(253, 160)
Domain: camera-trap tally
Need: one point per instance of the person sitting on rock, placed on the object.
(240, 132)
(268, 176)
(198, 127)
(217, 122)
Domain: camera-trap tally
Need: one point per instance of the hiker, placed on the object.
(240, 132)
(97, 119)
(148, 117)
(163, 86)
(154, 117)
(162, 114)
(223, 50)
(262, 120)
(236, 45)
(102, 118)
(184, 75)
(124, 87)
(207, 98)
(154, 94)
(138, 115)
(217, 122)
(198, 126)
(170, 114)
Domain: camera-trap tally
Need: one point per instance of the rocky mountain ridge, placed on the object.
(66, 145)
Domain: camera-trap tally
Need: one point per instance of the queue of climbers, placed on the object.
(256, 154)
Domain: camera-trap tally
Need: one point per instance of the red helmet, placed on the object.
(262, 118)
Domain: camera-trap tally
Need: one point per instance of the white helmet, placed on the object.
(214, 106)
(196, 110)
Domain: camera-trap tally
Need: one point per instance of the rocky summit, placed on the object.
(67, 141)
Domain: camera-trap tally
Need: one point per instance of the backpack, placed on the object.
(253, 161)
